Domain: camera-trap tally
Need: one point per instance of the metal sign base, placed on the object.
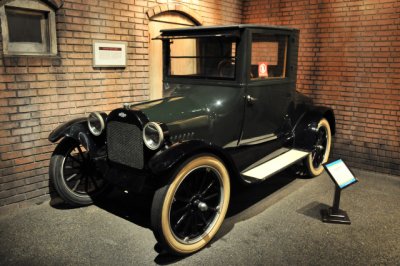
(339, 217)
(334, 214)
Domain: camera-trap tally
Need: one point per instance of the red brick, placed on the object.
(28, 108)
(16, 70)
(21, 131)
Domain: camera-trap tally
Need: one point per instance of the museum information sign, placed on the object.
(109, 54)
(340, 173)
(342, 177)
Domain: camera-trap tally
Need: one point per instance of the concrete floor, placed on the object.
(276, 222)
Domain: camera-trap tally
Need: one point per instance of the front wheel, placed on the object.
(74, 174)
(321, 149)
(187, 213)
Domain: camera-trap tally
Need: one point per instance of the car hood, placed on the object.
(196, 111)
(177, 112)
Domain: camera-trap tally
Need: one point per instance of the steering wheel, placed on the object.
(225, 68)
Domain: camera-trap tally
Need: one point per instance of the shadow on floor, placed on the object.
(241, 207)
(136, 208)
(313, 209)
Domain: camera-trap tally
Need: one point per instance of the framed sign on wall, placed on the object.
(109, 54)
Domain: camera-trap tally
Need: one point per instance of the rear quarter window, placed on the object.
(268, 56)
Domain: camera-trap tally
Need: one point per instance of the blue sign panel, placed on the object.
(340, 173)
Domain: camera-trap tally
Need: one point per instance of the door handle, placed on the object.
(250, 100)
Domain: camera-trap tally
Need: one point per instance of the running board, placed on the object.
(267, 169)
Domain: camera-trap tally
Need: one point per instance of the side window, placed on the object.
(268, 56)
(200, 57)
(28, 28)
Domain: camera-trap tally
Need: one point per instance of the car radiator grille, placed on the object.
(125, 144)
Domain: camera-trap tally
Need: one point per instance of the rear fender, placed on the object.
(167, 159)
(305, 130)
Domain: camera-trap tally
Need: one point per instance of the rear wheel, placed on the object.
(321, 149)
(187, 213)
(74, 174)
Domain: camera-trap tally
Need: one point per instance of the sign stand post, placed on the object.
(334, 214)
(342, 177)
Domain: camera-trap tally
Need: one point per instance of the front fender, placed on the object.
(69, 129)
(78, 129)
(306, 126)
(169, 158)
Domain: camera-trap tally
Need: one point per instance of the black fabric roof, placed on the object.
(203, 29)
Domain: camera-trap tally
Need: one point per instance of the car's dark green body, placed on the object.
(228, 117)
(199, 112)
(240, 120)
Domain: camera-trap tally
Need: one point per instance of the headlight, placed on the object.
(153, 135)
(95, 123)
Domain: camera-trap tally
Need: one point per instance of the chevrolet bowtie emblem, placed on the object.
(123, 115)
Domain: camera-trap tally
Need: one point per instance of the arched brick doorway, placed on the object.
(165, 17)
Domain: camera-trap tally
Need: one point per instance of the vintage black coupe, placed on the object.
(230, 115)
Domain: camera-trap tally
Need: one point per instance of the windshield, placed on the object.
(206, 58)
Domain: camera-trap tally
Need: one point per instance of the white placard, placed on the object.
(109, 54)
(340, 173)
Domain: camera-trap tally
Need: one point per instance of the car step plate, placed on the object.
(276, 164)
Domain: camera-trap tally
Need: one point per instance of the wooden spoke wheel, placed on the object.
(75, 175)
(321, 150)
(187, 212)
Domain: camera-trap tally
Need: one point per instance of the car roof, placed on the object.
(203, 29)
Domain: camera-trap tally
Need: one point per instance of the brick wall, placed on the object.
(37, 94)
(349, 59)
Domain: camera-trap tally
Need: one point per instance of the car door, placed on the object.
(269, 93)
